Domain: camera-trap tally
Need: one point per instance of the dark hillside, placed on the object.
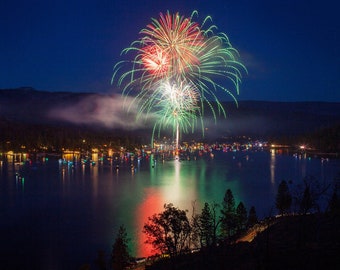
(282, 118)
(92, 110)
(294, 242)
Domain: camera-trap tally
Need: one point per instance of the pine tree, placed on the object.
(228, 215)
(120, 256)
(283, 198)
(307, 202)
(252, 217)
(241, 217)
(206, 225)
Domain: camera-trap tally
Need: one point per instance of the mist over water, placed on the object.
(114, 111)
(59, 216)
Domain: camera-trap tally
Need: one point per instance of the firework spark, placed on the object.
(177, 58)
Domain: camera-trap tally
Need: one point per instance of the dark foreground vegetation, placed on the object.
(228, 237)
(291, 242)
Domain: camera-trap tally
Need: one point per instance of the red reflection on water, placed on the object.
(152, 204)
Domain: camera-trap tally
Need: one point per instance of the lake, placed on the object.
(57, 215)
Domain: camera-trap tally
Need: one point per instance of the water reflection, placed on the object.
(171, 183)
(272, 166)
(172, 193)
(20, 182)
(94, 179)
(71, 156)
(87, 202)
(152, 204)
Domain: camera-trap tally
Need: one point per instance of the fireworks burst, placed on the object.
(177, 107)
(179, 66)
(177, 104)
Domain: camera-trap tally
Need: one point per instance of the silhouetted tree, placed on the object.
(228, 214)
(306, 202)
(308, 194)
(120, 256)
(168, 231)
(205, 226)
(283, 198)
(216, 222)
(252, 217)
(201, 227)
(195, 236)
(241, 217)
(206, 222)
(334, 205)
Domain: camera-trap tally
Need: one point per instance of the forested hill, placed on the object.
(260, 118)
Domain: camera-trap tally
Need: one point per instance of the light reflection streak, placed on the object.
(172, 193)
(83, 167)
(152, 204)
(303, 167)
(63, 174)
(20, 183)
(94, 177)
(322, 171)
(179, 189)
(272, 166)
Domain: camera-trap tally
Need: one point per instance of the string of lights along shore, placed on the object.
(177, 68)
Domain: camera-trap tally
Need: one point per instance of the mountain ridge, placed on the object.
(259, 118)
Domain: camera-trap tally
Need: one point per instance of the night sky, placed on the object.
(291, 48)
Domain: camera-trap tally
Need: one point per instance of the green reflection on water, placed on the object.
(176, 182)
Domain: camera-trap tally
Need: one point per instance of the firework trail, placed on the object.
(177, 55)
(176, 107)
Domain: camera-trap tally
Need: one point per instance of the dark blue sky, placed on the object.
(291, 48)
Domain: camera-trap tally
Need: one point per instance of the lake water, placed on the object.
(57, 216)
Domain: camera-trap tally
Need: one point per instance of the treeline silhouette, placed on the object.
(325, 139)
(56, 136)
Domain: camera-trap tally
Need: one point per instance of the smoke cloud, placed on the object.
(114, 111)
(119, 112)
